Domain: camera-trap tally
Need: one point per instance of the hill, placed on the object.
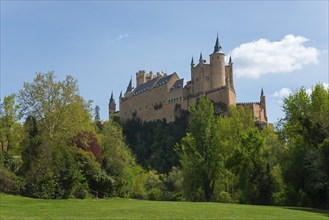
(17, 207)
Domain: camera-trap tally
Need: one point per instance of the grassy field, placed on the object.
(16, 207)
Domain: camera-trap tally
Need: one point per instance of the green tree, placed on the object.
(10, 129)
(56, 114)
(255, 179)
(306, 129)
(118, 161)
(57, 106)
(231, 128)
(199, 153)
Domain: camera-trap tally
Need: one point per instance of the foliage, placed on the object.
(153, 143)
(306, 127)
(56, 105)
(60, 152)
(200, 155)
(88, 141)
(10, 129)
(9, 182)
(118, 162)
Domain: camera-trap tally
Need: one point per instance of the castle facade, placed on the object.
(162, 96)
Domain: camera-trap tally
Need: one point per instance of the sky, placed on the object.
(279, 46)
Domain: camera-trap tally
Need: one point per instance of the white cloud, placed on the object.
(122, 36)
(283, 93)
(262, 56)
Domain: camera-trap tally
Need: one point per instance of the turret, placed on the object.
(129, 87)
(140, 77)
(201, 60)
(217, 66)
(230, 72)
(263, 103)
(112, 106)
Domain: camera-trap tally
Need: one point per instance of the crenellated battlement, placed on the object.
(248, 103)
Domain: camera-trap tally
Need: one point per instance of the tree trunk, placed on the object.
(207, 190)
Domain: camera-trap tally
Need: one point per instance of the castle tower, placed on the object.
(230, 72)
(140, 77)
(217, 67)
(112, 106)
(263, 103)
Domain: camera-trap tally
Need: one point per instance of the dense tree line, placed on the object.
(153, 143)
(52, 146)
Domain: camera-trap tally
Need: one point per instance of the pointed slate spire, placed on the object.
(130, 86)
(192, 61)
(230, 60)
(217, 47)
(200, 59)
(112, 99)
(262, 92)
(120, 94)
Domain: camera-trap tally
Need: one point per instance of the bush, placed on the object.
(80, 191)
(9, 182)
(224, 197)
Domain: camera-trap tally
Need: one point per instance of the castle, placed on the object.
(162, 96)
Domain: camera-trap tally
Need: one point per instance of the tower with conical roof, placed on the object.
(112, 106)
(217, 67)
(263, 105)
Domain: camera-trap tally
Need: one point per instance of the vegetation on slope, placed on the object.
(60, 151)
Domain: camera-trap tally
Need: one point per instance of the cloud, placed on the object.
(261, 57)
(283, 93)
(123, 36)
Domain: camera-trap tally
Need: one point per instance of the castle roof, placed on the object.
(130, 86)
(178, 84)
(158, 81)
(217, 46)
(163, 80)
(146, 86)
(112, 99)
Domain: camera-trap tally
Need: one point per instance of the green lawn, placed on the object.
(16, 207)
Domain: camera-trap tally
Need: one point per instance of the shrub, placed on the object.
(9, 182)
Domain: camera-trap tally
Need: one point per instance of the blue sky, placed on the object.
(278, 45)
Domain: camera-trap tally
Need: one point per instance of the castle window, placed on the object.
(196, 79)
(217, 57)
(140, 109)
(207, 78)
(145, 106)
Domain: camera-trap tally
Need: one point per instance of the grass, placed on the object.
(17, 207)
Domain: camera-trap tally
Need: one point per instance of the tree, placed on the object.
(97, 119)
(199, 152)
(306, 128)
(10, 129)
(97, 114)
(56, 105)
(253, 170)
(118, 161)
